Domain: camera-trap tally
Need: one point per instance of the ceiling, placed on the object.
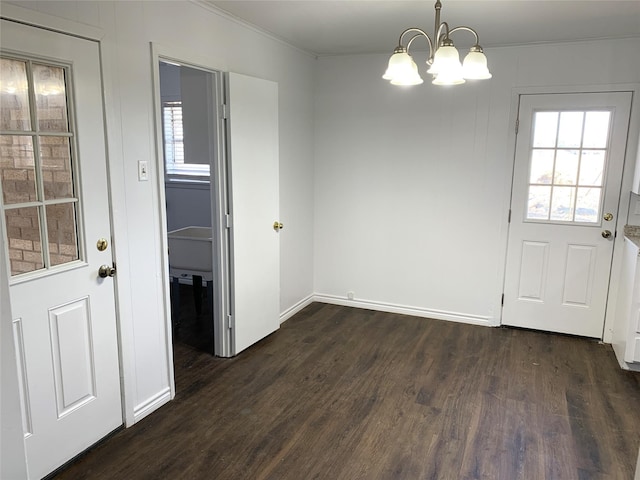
(329, 27)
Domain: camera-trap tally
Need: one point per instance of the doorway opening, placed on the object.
(195, 202)
(238, 116)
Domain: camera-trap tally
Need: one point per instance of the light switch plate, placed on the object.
(143, 171)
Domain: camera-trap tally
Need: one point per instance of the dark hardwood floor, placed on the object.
(193, 325)
(342, 393)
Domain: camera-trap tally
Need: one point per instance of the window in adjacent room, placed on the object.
(185, 122)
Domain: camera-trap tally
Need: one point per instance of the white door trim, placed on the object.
(50, 22)
(628, 180)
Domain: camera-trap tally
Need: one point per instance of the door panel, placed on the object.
(533, 272)
(253, 154)
(567, 176)
(73, 355)
(55, 205)
(579, 275)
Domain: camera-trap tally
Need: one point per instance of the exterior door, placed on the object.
(567, 175)
(254, 174)
(56, 209)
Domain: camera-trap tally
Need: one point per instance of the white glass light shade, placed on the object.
(445, 59)
(474, 66)
(402, 70)
(446, 66)
(409, 79)
(448, 79)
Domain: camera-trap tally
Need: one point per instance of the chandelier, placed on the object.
(444, 60)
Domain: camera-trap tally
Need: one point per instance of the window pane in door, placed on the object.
(574, 166)
(592, 167)
(61, 230)
(36, 169)
(51, 98)
(55, 157)
(566, 171)
(24, 239)
(588, 204)
(570, 131)
(539, 202)
(562, 203)
(541, 166)
(596, 129)
(14, 96)
(545, 129)
(17, 169)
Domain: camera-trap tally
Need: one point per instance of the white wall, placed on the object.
(127, 30)
(170, 90)
(413, 184)
(187, 205)
(196, 101)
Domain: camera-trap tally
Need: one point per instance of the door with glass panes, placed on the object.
(564, 210)
(58, 234)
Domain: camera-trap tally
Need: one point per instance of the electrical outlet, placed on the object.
(143, 171)
(350, 295)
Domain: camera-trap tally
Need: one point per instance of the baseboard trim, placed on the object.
(151, 405)
(291, 311)
(406, 310)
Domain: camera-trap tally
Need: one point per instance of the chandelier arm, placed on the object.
(419, 33)
(440, 35)
(468, 29)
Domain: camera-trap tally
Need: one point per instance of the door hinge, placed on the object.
(517, 125)
(502, 300)
(509, 219)
(228, 221)
(224, 111)
(230, 321)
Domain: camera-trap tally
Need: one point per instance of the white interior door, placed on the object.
(254, 159)
(567, 175)
(55, 207)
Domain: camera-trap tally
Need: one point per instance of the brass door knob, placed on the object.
(277, 226)
(106, 271)
(102, 244)
(608, 217)
(606, 233)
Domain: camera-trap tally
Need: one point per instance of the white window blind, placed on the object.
(175, 164)
(173, 134)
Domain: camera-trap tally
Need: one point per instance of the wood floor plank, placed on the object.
(342, 393)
